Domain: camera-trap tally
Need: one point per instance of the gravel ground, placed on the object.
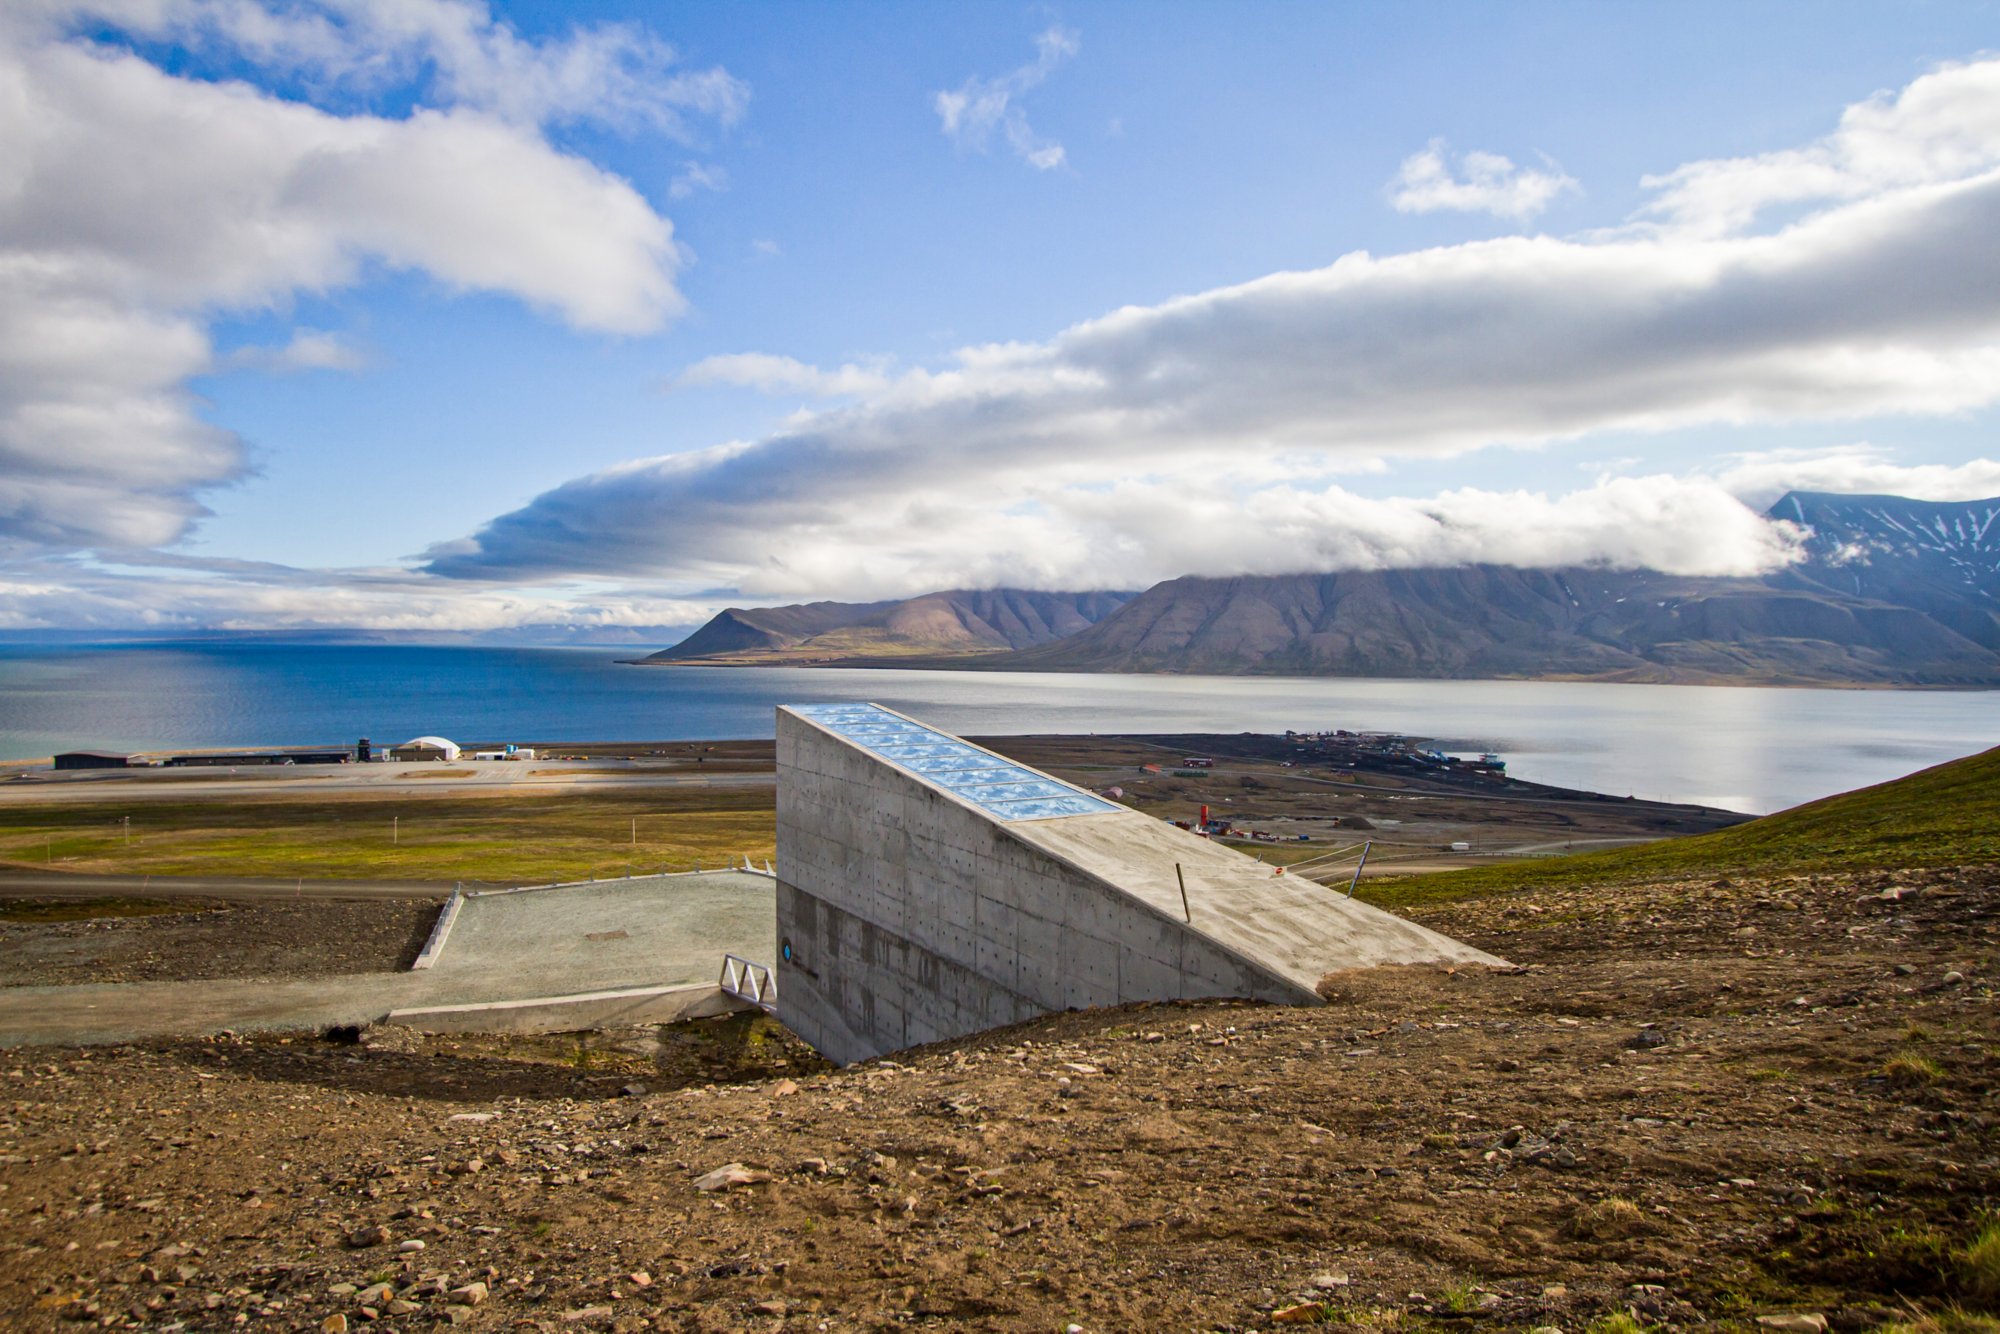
(215, 939)
(1698, 1102)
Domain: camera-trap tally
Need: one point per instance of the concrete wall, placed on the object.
(910, 916)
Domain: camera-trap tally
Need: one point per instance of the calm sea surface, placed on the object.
(1749, 749)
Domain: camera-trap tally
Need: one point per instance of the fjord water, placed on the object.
(1750, 749)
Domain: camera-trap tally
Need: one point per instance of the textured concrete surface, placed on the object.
(657, 930)
(654, 931)
(911, 915)
(1290, 926)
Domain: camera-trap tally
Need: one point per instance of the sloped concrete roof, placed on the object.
(1286, 924)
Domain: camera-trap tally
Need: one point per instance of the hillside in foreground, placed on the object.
(1702, 1099)
(1947, 815)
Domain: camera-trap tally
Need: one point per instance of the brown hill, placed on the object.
(1494, 621)
(1704, 1099)
(956, 622)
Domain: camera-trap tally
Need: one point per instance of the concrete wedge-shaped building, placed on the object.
(928, 888)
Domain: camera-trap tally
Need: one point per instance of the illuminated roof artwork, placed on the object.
(1000, 787)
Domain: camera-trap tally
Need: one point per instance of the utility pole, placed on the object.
(396, 829)
(635, 831)
(1365, 845)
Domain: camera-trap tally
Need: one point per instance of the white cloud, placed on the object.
(758, 370)
(1885, 305)
(970, 114)
(309, 350)
(1131, 534)
(1944, 126)
(456, 50)
(1127, 535)
(1760, 478)
(135, 203)
(1483, 183)
(694, 177)
(233, 595)
(1675, 525)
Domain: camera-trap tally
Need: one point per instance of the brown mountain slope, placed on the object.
(1492, 621)
(959, 621)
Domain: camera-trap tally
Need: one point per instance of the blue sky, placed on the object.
(365, 312)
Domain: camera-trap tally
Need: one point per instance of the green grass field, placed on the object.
(530, 840)
(1947, 815)
(1942, 816)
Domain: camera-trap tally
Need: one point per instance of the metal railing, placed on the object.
(748, 981)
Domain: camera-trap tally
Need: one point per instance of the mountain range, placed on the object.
(960, 621)
(1889, 592)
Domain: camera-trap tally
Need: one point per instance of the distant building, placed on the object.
(227, 759)
(93, 759)
(427, 748)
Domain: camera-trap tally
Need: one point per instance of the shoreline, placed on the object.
(974, 663)
(641, 759)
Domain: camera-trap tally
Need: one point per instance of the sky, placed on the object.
(442, 316)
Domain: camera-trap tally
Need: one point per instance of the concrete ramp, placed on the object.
(644, 950)
(928, 888)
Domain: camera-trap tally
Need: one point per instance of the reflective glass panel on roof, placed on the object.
(986, 774)
(1026, 787)
(938, 765)
(902, 752)
(998, 786)
(1044, 808)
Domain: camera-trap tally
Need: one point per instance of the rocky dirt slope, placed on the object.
(167, 941)
(1701, 1101)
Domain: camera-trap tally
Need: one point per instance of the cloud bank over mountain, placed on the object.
(1200, 435)
(170, 165)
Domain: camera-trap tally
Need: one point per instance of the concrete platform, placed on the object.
(668, 930)
(535, 950)
(929, 888)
